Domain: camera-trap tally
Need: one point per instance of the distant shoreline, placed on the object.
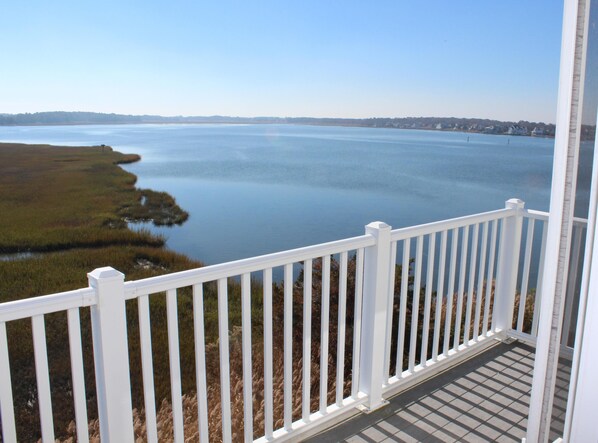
(451, 124)
(445, 124)
(266, 123)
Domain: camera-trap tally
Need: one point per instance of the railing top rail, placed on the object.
(161, 283)
(542, 215)
(86, 297)
(439, 226)
(536, 215)
(47, 304)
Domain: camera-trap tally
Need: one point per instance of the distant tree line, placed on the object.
(66, 118)
(476, 125)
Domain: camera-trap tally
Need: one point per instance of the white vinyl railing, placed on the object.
(534, 244)
(422, 298)
(263, 265)
(453, 261)
(35, 309)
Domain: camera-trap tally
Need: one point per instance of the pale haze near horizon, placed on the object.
(350, 59)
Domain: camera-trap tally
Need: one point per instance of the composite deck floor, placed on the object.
(483, 399)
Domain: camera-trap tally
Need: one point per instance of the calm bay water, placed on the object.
(254, 189)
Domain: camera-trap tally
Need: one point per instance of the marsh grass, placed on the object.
(54, 198)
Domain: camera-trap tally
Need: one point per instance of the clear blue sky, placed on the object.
(490, 59)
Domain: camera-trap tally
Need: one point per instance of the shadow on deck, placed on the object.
(483, 399)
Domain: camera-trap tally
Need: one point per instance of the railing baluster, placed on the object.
(571, 283)
(357, 325)
(307, 302)
(43, 378)
(439, 295)
(451, 290)
(268, 373)
(480, 290)
(147, 368)
(428, 298)
(324, 334)
(525, 277)
(74, 326)
(389, 310)
(461, 288)
(175, 365)
(471, 283)
(403, 306)
(288, 346)
(200, 363)
(9, 432)
(342, 319)
(224, 359)
(415, 305)
(490, 277)
(247, 375)
(538, 298)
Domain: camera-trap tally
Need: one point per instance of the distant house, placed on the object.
(538, 132)
(517, 130)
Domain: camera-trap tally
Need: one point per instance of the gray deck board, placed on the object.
(485, 398)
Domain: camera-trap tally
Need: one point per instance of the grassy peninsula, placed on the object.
(70, 205)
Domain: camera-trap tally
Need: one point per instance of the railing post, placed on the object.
(375, 305)
(508, 266)
(111, 356)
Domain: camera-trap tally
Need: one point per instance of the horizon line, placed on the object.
(268, 116)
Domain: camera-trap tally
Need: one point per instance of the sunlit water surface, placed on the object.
(255, 189)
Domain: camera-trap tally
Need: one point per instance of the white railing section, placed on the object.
(264, 265)
(423, 298)
(433, 322)
(533, 244)
(35, 309)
